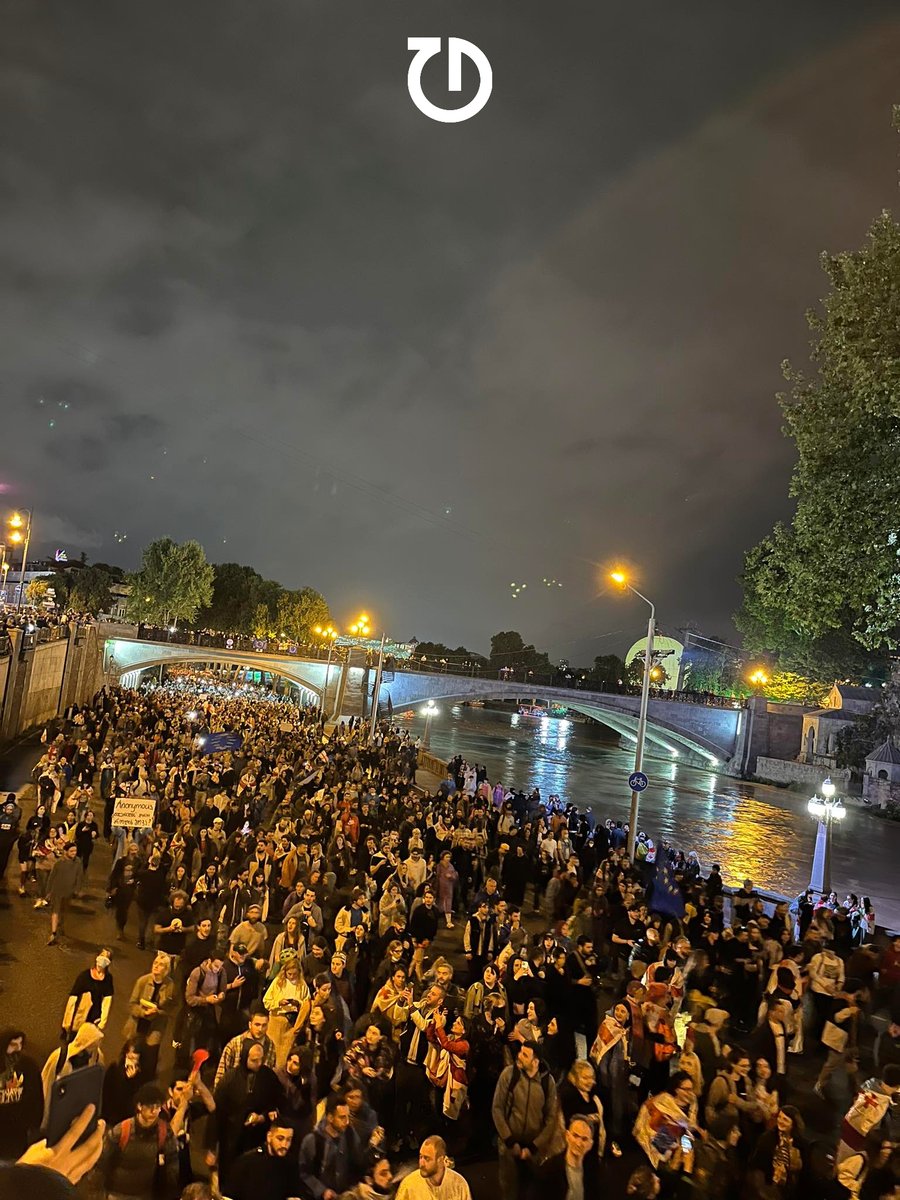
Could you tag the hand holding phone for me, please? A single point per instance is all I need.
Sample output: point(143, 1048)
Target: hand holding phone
point(70, 1096)
point(74, 1154)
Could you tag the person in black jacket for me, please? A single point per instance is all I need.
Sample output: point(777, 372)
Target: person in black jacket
point(269, 1172)
point(563, 1173)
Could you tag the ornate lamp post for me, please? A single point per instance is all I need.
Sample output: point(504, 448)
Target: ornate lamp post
point(826, 809)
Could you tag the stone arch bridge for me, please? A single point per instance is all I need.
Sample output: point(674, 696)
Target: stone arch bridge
point(717, 736)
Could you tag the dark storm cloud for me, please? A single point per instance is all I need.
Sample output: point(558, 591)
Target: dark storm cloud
point(409, 363)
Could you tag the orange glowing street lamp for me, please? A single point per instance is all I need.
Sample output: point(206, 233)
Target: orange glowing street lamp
point(759, 678)
point(19, 534)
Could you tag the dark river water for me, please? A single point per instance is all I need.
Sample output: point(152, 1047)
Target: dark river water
point(752, 830)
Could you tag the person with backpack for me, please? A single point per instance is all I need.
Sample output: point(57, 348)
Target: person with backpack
point(331, 1158)
point(526, 1117)
point(140, 1155)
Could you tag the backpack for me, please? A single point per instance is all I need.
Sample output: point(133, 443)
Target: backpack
point(162, 1129)
point(544, 1077)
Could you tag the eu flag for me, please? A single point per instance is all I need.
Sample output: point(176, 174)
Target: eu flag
point(665, 895)
point(217, 743)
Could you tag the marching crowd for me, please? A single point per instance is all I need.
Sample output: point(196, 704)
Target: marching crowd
point(345, 977)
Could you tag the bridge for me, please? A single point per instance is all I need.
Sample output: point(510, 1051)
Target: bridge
point(717, 736)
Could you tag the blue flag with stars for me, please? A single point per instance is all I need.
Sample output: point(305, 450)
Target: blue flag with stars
point(217, 743)
point(665, 895)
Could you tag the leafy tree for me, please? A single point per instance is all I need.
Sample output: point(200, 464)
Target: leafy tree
point(36, 592)
point(91, 589)
point(297, 614)
point(174, 582)
point(787, 687)
point(607, 670)
point(830, 580)
point(508, 650)
point(61, 583)
point(870, 729)
point(236, 592)
point(263, 622)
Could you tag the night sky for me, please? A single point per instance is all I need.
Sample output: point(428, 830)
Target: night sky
point(250, 295)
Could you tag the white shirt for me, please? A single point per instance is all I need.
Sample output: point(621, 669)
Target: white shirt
point(451, 1187)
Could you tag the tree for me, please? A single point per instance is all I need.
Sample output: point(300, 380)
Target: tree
point(298, 613)
point(830, 580)
point(236, 592)
point(508, 650)
point(607, 670)
point(91, 589)
point(788, 687)
point(36, 592)
point(61, 584)
point(174, 582)
point(870, 729)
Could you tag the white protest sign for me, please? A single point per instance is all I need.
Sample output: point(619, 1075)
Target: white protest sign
point(134, 812)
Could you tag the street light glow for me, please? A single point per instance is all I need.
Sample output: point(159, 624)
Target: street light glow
point(618, 577)
point(759, 677)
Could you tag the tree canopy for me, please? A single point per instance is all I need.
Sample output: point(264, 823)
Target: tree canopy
point(174, 582)
point(823, 591)
point(91, 588)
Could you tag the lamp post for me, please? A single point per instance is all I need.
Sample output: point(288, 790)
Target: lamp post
point(20, 535)
point(376, 689)
point(330, 633)
point(619, 578)
point(430, 710)
point(826, 809)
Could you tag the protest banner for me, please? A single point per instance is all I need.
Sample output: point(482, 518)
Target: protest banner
point(134, 812)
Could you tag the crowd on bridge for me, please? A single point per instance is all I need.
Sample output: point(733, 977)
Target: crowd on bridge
point(356, 989)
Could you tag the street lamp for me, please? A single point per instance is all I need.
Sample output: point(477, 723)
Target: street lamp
point(826, 809)
point(362, 628)
point(330, 633)
point(759, 678)
point(430, 710)
point(20, 535)
point(620, 578)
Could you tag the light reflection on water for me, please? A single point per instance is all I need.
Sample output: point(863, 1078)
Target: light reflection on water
point(753, 830)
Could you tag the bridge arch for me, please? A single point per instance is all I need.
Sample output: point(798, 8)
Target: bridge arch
point(130, 666)
point(660, 732)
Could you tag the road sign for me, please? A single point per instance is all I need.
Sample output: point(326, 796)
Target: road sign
point(637, 781)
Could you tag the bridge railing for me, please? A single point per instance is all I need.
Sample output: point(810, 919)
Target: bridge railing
point(200, 639)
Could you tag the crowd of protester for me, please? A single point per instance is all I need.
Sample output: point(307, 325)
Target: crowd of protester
point(356, 990)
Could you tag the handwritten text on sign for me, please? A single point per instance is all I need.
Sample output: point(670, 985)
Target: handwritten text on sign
point(134, 812)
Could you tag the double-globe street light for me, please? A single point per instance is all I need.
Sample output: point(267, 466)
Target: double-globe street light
point(621, 579)
point(827, 809)
point(327, 633)
point(19, 527)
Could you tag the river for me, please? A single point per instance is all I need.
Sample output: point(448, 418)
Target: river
point(753, 830)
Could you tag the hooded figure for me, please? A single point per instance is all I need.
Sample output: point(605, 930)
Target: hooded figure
point(82, 1051)
point(611, 1056)
point(21, 1099)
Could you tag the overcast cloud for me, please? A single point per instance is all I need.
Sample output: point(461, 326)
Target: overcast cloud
point(249, 294)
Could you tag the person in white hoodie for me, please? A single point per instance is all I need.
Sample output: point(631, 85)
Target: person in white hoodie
point(867, 1111)
point(826, 979)
point(82, 1051)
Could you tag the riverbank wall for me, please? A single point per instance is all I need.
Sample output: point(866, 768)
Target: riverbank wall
point(806, 775)
point(44, 671)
